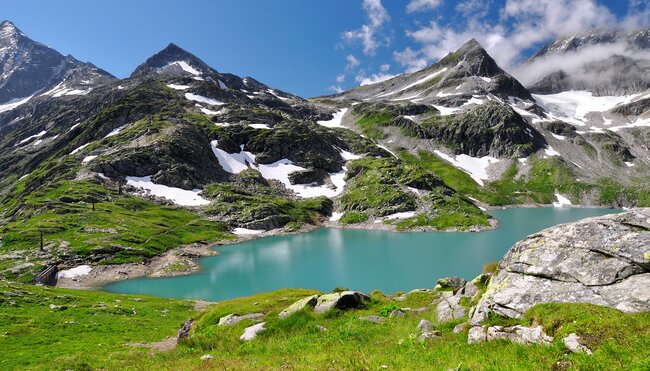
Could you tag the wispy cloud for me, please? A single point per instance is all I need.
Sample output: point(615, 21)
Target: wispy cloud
point(367, 33)
point(373, 79)
point(420, 5)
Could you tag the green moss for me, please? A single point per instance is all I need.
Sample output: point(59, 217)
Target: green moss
point(353, 217)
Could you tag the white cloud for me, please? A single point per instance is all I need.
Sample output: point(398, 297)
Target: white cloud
point(384, 67)
point(335, 88)
point(523, 24)
point(420, 5)
point(367, 34)
point(353, 62)
point(340, 78)
point(373, 79)
point(638, 14)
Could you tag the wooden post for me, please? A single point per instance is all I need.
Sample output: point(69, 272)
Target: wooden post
point(92, 199)
point(42, 244)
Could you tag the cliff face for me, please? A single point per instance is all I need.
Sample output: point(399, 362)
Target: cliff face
point(603, 261)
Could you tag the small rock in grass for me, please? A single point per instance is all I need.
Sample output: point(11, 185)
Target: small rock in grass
point(425, 326)
point(206, 357)
point(572, 343)
point(321, 328)
point(251, 332)
point(459, 328)
point(373, 319)
point(396, 313)
point(138, 300)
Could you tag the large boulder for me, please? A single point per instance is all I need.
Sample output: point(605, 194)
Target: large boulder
point(340, 300)
point(323, 303)
point(603, 261)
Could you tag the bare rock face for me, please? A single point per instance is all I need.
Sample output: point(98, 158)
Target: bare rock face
point(603, 261)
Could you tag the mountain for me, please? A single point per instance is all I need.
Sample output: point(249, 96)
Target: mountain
point(181, 153)
point(606, 62)
point(29, 68)
point(454, 80)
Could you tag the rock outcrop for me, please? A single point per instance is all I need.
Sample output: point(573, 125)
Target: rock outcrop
point(603, 261)
point(516, 334)
point(323, 303)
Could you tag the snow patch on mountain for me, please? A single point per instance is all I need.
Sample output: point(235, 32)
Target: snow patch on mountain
point(573, 106)
point(335, 122)
point(202, 99)
point(476, 167)
point(235, 163)
point(178, 87)
point(8, 106)
point(32, 137)
point(176, 195)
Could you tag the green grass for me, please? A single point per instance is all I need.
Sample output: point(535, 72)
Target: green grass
point(373, 186)
point(35, 337)
point(125, 228)
point(353, 217)
point(447, 212)
point(249, 205)
point(372, 122)
point(92, 332)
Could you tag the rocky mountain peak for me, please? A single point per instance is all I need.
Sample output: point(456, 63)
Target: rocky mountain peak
point(173, 61)
point(474, 58)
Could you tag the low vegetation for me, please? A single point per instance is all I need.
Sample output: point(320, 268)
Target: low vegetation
point(90, 330)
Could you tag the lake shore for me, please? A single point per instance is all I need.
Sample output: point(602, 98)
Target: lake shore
point(183, 260)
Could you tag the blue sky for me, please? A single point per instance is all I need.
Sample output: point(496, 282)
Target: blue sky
point(310, 47)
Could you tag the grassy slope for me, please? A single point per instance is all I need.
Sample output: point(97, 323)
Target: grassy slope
point(31, 339)
point(545, 177)
point(136, 229)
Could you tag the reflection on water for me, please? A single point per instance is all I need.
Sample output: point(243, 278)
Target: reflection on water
point(356, 259)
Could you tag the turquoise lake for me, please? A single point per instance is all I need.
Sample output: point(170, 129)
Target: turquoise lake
point(356, 259)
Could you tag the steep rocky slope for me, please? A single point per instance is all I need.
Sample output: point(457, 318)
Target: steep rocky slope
point(28, 68)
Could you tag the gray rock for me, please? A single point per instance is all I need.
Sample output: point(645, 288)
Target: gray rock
point(516, 334)
point(206, 357)
point(309, 301)
point(373, 319)
point(476, 334)
point(449, 307)
point(454, 283)
point(184, 331)
point(459, 328)
point(396, 313)
point(425, 326)
point(321, 328)
point(340, 300)
point(572, 343)
point(603, 261)
point(233, 319)
point(251, 332)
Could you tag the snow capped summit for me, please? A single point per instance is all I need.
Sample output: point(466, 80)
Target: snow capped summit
point(29, 68)
point(176, 62)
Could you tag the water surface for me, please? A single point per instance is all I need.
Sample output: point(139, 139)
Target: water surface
point(357, 259)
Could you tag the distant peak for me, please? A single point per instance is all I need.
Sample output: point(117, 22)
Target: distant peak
point(172, 54)
point(471, 45)
point(8, 28)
